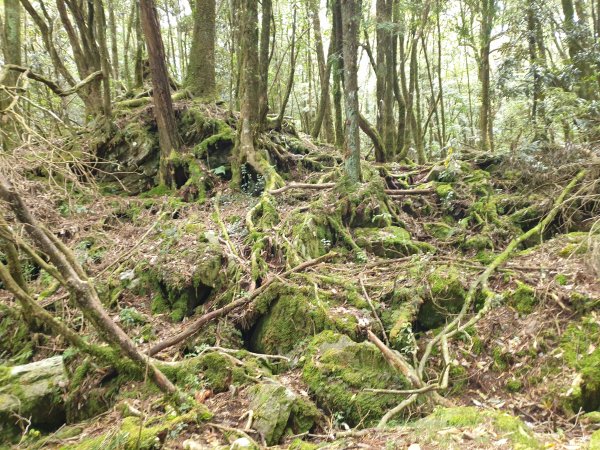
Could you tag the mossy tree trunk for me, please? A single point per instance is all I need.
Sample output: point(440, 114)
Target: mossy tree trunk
point(11, 48)
point(200, 78)
point(249, 121)
point(351, 11)
point(168, 135)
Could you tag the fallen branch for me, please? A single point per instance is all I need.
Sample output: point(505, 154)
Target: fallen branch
point(197, 325)
point(53, 85)
point(287, 187)
point(398, 192)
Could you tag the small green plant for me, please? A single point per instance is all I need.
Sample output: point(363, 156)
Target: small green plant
point(132, 317)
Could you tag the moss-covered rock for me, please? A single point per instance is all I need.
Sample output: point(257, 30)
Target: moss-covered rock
point(277, 408)
point(444, 297)
point(337, 372)
point(179, 283)
point(389, 242)
point(292, 314)
point(33, 391)
point(581, 352)
point(214, 370)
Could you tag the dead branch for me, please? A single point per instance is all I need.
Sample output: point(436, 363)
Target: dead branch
point(53, 85)
point(287, 187)
point(397, 192)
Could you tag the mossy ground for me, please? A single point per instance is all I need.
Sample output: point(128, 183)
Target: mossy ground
point(407, 259)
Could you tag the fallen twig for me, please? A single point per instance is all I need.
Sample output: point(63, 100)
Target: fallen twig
point(287, 187)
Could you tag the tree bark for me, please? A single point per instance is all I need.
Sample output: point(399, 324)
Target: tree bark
point(264, 60)
point(200, 78)
point(323, 116)
point(11, 38)
point(168, 135)
point(351, 11)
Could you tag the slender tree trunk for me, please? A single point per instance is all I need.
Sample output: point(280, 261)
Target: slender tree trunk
point(264, 60)
point(168, 135)
point(386, 77)
point(139, 50)
point(100, 23)
point(113, 40)
point(323, 116)
point(201, 65)
point(488, 11)
point(338, 73)
point(351, 11)
point(440, 82)
point(11, 39)
point(290, 81)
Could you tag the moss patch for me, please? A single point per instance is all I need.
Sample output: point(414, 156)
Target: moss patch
point(337, 372)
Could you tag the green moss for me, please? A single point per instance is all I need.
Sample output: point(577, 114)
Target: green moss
point(515, 430)
point(157, 191)
point(299, 444)
point(339, 370)
point(445, 296)
point(440, 230)
point(504, 425)
point(595, 441)
point(561, 279)
point(523, 298)
point(389, 242)
point(514, 385)
point(132, 434)
point(582, 303)
point(478, 242)
point(579, 344)
point(461, 416)
point(444, 190)
point(294, 315)
point(501, 360)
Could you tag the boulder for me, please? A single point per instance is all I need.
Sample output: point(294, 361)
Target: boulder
point(32, 391)
point(338, 372)
point(277, 408)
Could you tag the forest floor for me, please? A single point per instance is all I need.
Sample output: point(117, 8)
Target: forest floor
point(294, 368)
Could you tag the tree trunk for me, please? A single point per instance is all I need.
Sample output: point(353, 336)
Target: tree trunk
point(264, 59)
point(386, 77)
point(138, 68)
point(338, 73)
point(323, 116)
point(200, 78)
point(168, 135)
point(113, 40)
point(290, 81)
point(11, 38)
point(488, 11)
point(351, 11)
point(249, 85)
